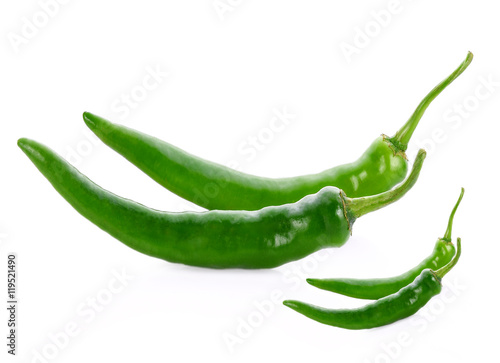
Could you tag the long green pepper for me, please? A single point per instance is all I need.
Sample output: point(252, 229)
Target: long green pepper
point(377, 288)
point(215, 186)
point(266, 238)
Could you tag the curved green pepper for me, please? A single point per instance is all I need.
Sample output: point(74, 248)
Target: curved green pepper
point(387, 310)
point(266, 238)
point(215, 186)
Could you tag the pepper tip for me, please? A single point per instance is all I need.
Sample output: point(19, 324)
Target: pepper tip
point(311, 281)
point(293, 304)
point(91, 120)
point(23, 143)
point(29, 147)
point(94, 122)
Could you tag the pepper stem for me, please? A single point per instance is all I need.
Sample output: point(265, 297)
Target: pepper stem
point(403, 136)
point(446, 268)
point(360, 206)
point(447, 235)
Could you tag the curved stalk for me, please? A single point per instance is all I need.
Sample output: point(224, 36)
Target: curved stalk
point(447, 235)
point(361, 206)
point(403, 135)
point(446, 268)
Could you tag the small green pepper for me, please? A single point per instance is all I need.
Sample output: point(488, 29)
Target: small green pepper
point(387, 310)
point(265, 238)
point(213, 186)
point(377, 288)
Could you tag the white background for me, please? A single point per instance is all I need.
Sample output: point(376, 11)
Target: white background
point(226, 73)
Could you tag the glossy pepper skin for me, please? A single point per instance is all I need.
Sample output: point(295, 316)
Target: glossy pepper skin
point(377, 288)
point(387, 310)
point(218, 239)
point(214, 186)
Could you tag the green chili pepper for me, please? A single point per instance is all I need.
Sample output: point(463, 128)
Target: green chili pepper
point(387, 310)
point(215, 186)
point(219, 239)
point(377, 288)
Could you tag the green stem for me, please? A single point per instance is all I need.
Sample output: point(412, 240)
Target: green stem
point(447, 235)
point(361, 206)
point(403, 136)
point(446, 268)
